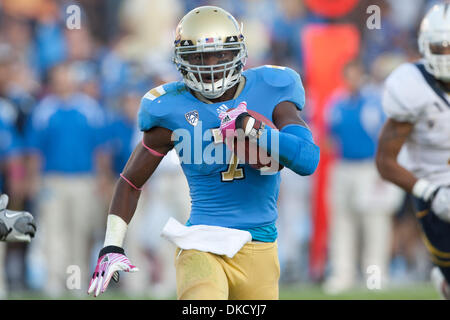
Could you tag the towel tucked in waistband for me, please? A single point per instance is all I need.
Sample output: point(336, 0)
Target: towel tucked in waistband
point(214, 239)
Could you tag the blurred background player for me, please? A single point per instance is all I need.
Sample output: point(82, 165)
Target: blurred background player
point(14, 225)
point(294, 225)
point(65, 134)
point(15, 104)
point(414, 146)
point(362, 204)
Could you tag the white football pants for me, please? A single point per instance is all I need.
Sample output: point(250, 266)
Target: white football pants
point(361, 208)
point(69, 211)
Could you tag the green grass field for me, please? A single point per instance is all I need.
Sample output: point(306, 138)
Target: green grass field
point(298, 292)
point(410, 292)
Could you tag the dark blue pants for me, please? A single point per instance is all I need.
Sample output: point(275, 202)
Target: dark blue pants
point(436, 236)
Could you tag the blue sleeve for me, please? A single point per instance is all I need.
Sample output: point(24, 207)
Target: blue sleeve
point(146, 115)
point(294, 148)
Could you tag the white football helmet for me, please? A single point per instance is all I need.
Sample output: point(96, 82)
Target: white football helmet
point(204, 30)
point(434, 41)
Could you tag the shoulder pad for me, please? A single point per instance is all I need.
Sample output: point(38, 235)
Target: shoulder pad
point(403, 95)
point(285, 83)
point(152, 110)
point(278, 76)
point(155, 93)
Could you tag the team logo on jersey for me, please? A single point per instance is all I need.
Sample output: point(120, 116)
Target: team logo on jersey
point(192, 117)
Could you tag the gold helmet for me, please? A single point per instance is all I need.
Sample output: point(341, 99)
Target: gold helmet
point(206, 30)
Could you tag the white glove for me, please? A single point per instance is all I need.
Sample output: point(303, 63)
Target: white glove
point(438, 196)
point(441, 203)
point(15, 226)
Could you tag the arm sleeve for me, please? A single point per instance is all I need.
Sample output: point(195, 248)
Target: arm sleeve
point(293, 147)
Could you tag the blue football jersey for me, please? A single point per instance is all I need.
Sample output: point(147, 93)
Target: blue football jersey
point(223, 191)
point(67, 133)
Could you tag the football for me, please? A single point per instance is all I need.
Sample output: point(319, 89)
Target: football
point(249, 152)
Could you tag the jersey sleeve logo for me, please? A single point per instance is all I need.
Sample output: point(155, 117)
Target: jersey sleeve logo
point(155, 93)
point(192, 117)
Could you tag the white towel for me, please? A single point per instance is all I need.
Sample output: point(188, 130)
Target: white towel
point(214, 239)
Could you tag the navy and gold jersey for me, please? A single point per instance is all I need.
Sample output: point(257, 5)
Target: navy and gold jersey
point(223, 191)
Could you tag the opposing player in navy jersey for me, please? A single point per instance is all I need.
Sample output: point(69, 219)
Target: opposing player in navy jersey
point(414, 145)
point(227, 249)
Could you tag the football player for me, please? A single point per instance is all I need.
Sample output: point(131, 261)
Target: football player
point(14, 225)
point(228, 249)
point(414, 145)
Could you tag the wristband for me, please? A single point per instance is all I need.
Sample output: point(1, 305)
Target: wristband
point(116, 229)
point(111, 249)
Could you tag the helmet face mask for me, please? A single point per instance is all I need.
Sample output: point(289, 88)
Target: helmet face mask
point(210, 51)
point(437, 56)
point(434, 41)
point(440, 48)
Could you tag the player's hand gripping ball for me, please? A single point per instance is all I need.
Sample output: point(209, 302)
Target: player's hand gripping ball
point(245, 148)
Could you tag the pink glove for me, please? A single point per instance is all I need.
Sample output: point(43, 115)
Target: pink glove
point(228, 120)
point(107, 267)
